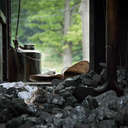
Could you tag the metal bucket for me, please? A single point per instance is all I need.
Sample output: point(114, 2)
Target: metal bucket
point(29, 62)
point(23, 63)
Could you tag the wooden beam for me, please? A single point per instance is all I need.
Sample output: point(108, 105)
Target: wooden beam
point(97, 33)
point(92, 44)
point(41, 84)
point(112, 36)
point(1, 54)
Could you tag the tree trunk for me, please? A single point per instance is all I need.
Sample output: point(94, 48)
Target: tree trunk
point(67, 56)
point(84, 11)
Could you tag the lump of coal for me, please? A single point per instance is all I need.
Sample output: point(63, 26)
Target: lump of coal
point(122, 115)
point(48, 107)
point(105, 113)
point(55, 82)
point(107, 124)
point(106, 98)
point(67, 111)
point(71, 100)
point(69, 82)
point(22, 122)
point(78, 114)
point(11, 92)
point(122, 79)
point(90, 103)
point(10, 108)
point(68, 123)
point(71, 103)
point(90, 79)
point(40, 96)
point(56, 99)
point(45, 117)
point(81, 92)
point(57, 120)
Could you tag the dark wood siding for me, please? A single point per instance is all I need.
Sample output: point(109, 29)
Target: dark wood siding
point(5, 32)
point(97, 33)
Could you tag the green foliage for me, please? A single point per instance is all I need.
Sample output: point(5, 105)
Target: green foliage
point(42, 23)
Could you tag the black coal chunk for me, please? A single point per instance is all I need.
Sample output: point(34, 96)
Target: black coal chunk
point(90, 103)
point(90, 79)
point(70, 103)
point(23, 121)
point(11, 107)
point(107, 124)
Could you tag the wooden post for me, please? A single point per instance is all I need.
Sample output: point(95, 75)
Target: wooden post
point(5, 6)
point(2, 22)
point(1, 54)
point(112, 37)
point(91, 35)
point(97, 33)
point(7, 38)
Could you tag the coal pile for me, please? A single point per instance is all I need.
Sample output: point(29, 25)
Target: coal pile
point(72, 103)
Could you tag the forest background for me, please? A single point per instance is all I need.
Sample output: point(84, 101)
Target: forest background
point(54, 27)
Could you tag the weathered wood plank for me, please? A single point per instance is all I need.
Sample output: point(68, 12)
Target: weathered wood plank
point(41, 84)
